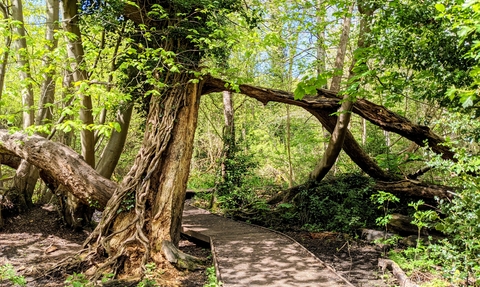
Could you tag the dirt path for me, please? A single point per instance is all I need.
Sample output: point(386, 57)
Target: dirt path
point(35, 241)
point(248, 255)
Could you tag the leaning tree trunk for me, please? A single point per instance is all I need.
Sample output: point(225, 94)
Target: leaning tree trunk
point(148, 230)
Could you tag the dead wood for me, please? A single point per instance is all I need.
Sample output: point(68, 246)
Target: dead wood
point(416, 189)
point(61, 165)
point(397, 272)
point(402, 187)
point(328, 100)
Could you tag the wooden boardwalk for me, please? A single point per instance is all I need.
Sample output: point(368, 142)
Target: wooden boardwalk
point(247, 255)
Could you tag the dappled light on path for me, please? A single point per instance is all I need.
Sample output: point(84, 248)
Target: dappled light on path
point(247, 255)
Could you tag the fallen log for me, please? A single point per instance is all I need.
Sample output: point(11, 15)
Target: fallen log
point(416, 188)
point(397, 272)
point(60, 164)
point(402, 187)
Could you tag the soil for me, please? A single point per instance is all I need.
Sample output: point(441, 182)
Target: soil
point(356, 260)
point(34, 242)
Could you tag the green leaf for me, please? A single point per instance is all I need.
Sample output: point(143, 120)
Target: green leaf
point(440, 7)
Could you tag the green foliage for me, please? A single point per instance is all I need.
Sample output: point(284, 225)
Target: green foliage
point(77, 280)
point(212, 278)
point(417, 54)
point(7, 273)
point(337, 205)
point(383, 200)
point(460, 253)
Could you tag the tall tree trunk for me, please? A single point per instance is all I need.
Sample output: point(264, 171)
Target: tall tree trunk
point(228, 135)
point(24, 63)
point(47, 92)
point(341, 51)
point(338, 135)
point(321, 54)
point(6, 51)
point(3, 69)
point(74, 209)
point(157, 182)
point(26, 175)
point(76, 53)
point(289, 152)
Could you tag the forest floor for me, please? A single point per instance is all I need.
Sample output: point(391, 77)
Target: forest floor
point(354, 259)
point(34, 242)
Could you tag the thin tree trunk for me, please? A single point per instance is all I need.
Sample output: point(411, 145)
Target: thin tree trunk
point(24, 63)
point(289, 152)
point(321, 54)
point(3, 68)
point(341, 51)
point(338, 135)
point(26, 175)
point(6, 51)
point(47, 94)
point(364, 132)
point(74, 209)
point(228, 135)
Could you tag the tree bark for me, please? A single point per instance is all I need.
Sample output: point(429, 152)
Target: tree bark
point(61, 164)
point(327, 100)
point(228, 134)
point(26, 175)
point(76, 53)
point(113, 150)
point(341, 51)
point(157, 182)
point(24, 63)
point(341, 127)
point(6, 52)
point(47, 94)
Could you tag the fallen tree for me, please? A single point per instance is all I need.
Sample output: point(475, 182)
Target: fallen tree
point(59, 164)
point(327, 100)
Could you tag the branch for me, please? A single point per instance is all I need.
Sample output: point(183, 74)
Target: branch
point(328, 100)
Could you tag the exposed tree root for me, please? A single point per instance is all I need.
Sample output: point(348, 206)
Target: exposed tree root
point(181, 260)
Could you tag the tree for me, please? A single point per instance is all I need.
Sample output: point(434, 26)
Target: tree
point(141, 222)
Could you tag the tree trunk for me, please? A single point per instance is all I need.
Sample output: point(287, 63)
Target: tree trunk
point(23, 62)
point(341, 51)
point(76, 53)
point(352, 148)
point(113, 150)
point(60, 165)
point(155, 185)
point(26, 175)
point(228, 135)
point(47, 94)
point(6, 51)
